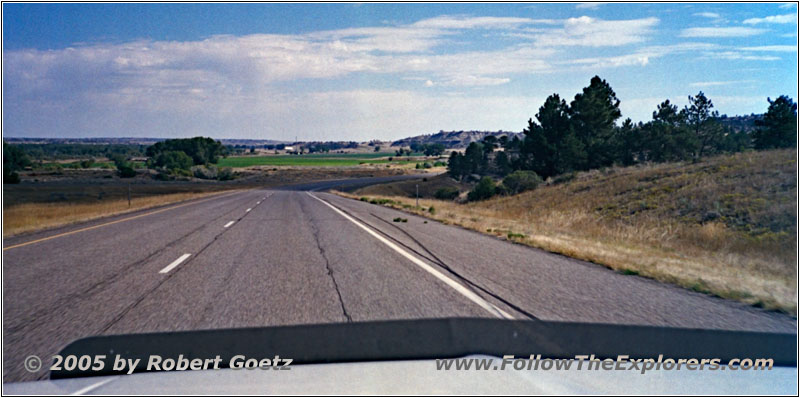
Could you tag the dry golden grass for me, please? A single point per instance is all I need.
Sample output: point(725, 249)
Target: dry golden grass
point(29, 217)
point(725, 226)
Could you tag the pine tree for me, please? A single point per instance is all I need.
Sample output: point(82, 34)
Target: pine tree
point(593, 114)
point(702, 120)
point(778, 129)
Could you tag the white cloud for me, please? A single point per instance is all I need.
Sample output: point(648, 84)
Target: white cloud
point(463, 22)
point(787, 6)
point(592, 32)
point(737, 55)
point(719, 83)
point(777, 19)
point(469, 80)
point(734, 31)
point(606, 62)
point(712, 15)
point(785, 49)
point(589, 6)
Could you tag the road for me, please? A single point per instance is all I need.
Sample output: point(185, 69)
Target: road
point(299, 256)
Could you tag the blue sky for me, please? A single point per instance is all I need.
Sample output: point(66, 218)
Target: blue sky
point(364, 71)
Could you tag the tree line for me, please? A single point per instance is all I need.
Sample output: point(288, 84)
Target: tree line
point(583, 134)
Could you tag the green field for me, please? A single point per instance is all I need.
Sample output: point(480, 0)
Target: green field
point(318, 160)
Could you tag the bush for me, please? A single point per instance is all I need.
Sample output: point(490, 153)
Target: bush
point(85, 164)
point(427, 165)
point(562, 178)
point(206, 173)
point(225, 174)
point(10, 177)
point(446, 193)
point(485, 189)
point(521, 181)
point(439, 164)
point(126, 171)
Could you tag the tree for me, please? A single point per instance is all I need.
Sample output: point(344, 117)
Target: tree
point(377, 148)
point(667, 137)
point(702, 120)
point(455, 165)
point(593, 114)
point(628, 143)
point(474, 159)
point(485, 189)
point(551, 147)
point(502, 163)
point(174, 160)
point(14, 159)
point(521, 181)
point(778, 129)
point(202, 150)
point(433, 149)
point(124, 168)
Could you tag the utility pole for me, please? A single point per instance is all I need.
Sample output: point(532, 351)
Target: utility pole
point(417, 185)
point(129, 195)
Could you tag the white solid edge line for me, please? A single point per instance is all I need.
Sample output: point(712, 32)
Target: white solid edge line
point(229, 224)
point(174, 263)
point(92, 387)
point(453, 284)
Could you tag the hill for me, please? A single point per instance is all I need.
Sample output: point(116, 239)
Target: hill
point(725, 226)
point(453, 139)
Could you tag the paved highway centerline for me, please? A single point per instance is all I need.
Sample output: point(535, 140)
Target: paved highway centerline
point(453, 284)
point(229, 224)
point(174, 263)
point(248, 210)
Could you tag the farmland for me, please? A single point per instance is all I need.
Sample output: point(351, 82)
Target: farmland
point(313, 160)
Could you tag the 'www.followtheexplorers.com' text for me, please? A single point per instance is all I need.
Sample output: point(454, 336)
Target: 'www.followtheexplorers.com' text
point(590, 362)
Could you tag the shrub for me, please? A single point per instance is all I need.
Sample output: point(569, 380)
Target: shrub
point(126, 171)
point(446, 193)
point(87, 163)
point(11, 178)
point(521, 181)
point(485, 189)
point(225, 174)
point(439, 164)
point(206, 173)
point(562, 178)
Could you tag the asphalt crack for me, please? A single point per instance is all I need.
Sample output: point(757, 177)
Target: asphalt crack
point(315, 232)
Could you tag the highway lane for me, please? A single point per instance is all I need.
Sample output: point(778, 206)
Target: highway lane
point(260, 257)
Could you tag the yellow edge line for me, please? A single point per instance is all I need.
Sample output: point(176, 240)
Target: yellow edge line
point(117, 221)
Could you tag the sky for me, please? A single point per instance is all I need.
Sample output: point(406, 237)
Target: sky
point(374, 71)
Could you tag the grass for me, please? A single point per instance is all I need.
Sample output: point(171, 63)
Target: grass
point(29, 217)
point(724, 226)
point(311, 160)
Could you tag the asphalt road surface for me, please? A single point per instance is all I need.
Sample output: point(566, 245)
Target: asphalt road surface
point(300, 256)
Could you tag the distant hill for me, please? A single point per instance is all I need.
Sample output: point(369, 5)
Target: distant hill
point(453, 139)
point(741, 123)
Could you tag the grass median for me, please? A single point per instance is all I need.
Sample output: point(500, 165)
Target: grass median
point(28, 217)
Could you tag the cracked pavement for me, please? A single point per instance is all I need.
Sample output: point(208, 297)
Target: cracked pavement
point(294, 260)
